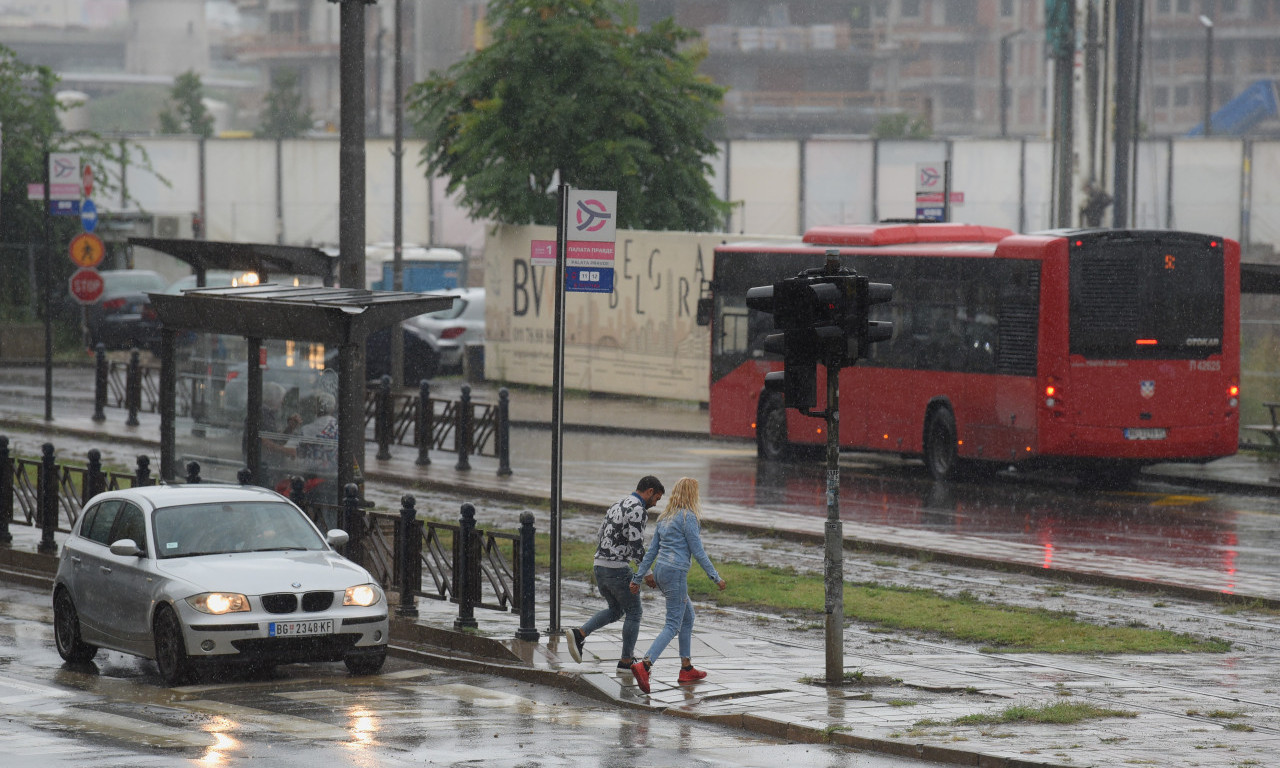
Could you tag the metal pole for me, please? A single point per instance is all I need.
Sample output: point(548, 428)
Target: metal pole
point(351, 164)
point(397, 204)
point(833, 562)
point(557, 407)
point(48, 295)
point(1208, 75)
point(1004, 84)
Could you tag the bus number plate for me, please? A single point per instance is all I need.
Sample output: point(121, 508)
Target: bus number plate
point(300, 628)
point(1145, 433)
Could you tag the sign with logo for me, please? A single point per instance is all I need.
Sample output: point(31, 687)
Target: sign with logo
point(590, 239)
point(86, 285)
point(542, 253)
point(65, 181)
point(87, 249)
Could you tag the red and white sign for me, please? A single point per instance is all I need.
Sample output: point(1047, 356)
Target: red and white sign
point(87, 184)
point(86, 285)
point(957, 198)
point(542, 253)
point(64, 176)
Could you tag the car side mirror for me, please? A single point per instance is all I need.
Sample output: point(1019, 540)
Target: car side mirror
point(126, 548)
point(337, 537)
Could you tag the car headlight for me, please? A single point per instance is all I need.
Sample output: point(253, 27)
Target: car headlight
point(218, 603)
point(362, 595)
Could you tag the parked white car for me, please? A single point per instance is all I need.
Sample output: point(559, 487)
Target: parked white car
point(448, 331)
point(201, 575)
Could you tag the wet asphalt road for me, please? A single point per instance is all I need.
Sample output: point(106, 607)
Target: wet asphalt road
point(115, 712)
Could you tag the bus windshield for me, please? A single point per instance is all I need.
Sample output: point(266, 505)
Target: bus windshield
point(1147, 298)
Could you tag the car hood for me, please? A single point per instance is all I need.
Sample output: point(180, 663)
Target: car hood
point(257, 573)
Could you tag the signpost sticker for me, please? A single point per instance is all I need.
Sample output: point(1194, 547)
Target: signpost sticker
point(928, 177)
point(87, 250)
point(86, 285)
point(593, 215)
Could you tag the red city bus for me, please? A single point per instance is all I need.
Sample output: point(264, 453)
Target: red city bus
point(1104, 349)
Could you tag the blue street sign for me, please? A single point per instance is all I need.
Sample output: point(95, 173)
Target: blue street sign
point(88, 215)
point(930, 213)
point(588, 279)
point(64, 207)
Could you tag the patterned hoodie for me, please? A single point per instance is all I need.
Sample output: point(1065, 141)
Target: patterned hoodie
point(621, 538)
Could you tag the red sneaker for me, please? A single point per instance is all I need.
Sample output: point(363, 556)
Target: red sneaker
point(642, 675)
point(690, 675)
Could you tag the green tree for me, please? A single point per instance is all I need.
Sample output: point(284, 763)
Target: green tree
point(902, 126)
point(284, 116)
point(29, 127)
point(570, 90)
point(186, 112)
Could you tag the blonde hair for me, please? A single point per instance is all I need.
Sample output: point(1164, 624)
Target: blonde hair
point(683, 496)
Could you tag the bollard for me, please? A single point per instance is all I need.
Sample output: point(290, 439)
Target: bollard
point(352, 522)
point(465, 570)
point(244, 476)
point(193, 472)
point(410, 556)
point(524, 583)
point(382, 419)
point(6, 491)
point(142, 477)
point(133, 389)
point(462, 430)
point(47, 500)
point(100, 382)
point(95, 480)
point(503, 433)
point(424, 427)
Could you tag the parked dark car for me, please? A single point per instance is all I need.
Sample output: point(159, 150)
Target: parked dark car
point(123, 318)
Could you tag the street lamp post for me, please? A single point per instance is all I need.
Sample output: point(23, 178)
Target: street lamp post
point(1208, 74)
point(1004, 80)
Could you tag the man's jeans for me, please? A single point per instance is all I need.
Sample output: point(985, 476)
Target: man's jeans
point(615, 586)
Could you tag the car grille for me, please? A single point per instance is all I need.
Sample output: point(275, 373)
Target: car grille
point(287, 602)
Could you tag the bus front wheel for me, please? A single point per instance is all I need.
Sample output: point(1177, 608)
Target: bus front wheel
point(771, 430)
point(940, 444)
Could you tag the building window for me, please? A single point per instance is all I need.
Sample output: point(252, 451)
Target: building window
point(1184, 7)
point(1164, 7)
point(910, 9)
point(960, 13)
point(1181, 96)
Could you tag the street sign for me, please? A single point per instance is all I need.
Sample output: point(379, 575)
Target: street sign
point(87, 181)
point(64, 207)
point(88, 215)
point(65, 181)
point(86, 285)
point(590, 240)
point(87, 249)
point(542, 253)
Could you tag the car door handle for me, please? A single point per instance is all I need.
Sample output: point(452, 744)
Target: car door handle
point(104, 568)
point(75, 559)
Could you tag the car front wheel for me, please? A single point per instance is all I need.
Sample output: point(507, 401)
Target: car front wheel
point(171, 651)
point(66, 631)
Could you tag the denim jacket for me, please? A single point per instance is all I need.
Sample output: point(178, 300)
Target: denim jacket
point(676, 542)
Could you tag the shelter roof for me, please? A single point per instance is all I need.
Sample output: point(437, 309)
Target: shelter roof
point(318, 314)
point(263, 258)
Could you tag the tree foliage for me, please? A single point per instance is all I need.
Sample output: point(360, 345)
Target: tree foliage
point(902, 126)
point(284, 116)
point(186, 112)
point(569, 91)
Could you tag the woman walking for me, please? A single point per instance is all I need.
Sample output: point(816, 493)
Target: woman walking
point(677, 542)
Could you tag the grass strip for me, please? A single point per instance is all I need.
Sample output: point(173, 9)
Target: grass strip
point(1057, 713)
point(995, 627)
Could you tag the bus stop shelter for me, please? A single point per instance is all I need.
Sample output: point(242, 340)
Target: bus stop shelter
point(336, 317)
point(264, 259)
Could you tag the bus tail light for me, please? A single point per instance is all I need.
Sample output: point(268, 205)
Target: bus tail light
point(1050, 394)
point(1233, 395)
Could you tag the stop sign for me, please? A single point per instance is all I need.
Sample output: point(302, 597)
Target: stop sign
point(86, 286)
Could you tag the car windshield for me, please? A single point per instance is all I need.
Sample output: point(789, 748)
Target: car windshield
point(124, 281)
point(247, 526)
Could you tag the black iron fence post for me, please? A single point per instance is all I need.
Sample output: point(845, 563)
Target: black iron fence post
point(47, 497)
point(382, 427)
point(503, 433)
point(95, 480)
point(133, 389)
point(462, 430)
point(466, 576)
point(6, 491)
point(424, 427)
point(524, 583)
point(410, 553)
point(193, 472)
point(142, 476)
point(100, 382)
point(353, 522)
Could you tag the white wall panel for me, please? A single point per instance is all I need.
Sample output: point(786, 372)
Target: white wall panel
point(987, 173)
point(897, 175)
point(837, 179)
point(310, 191)
point(1206, 186)
point(240, 201)
point(1264, 219)
point(1150, 187)
point(175, 158)
point(764, 181)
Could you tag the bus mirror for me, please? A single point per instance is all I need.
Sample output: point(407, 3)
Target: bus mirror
point(705, 305)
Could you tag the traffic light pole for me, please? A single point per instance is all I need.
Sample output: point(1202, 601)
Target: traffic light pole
point(833, 562)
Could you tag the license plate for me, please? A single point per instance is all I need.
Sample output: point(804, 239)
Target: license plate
point(1145, 433)
point(300, 628)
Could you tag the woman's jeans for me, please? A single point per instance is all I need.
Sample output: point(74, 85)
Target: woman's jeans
point(615, 586)
point(674, 583)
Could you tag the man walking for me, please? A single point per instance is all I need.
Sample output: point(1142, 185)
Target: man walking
point(621, 541)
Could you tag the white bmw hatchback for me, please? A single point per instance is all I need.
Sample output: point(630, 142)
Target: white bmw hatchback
point(200, 575)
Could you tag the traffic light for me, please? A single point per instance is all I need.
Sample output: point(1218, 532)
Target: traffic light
point(790, 303)
point(870, 331)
